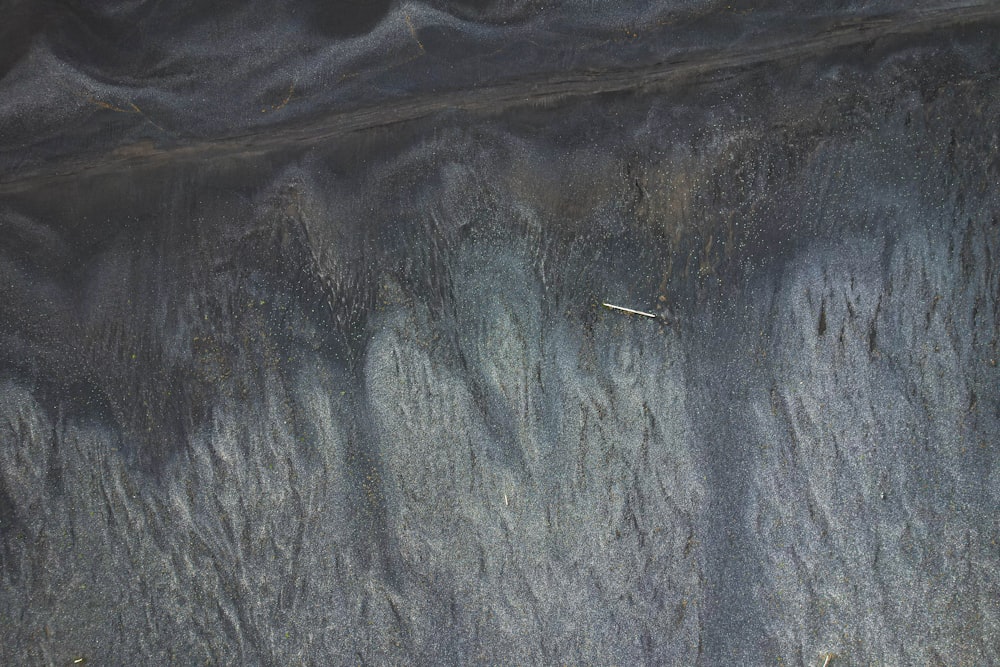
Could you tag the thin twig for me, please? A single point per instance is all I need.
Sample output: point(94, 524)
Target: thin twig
point(628, 310)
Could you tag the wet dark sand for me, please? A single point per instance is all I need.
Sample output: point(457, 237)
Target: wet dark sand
point(303, 358)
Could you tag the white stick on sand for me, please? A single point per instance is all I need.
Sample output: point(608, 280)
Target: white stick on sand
point(628, 310)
